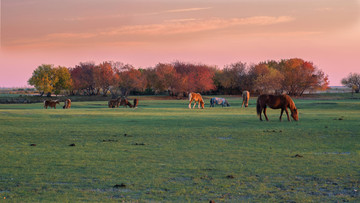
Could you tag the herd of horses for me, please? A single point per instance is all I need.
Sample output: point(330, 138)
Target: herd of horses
point(122, 102)
point(112, 103)
point(282, 102)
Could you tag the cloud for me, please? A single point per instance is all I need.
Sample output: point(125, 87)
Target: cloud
point(104, 17)
point(186, 10)
point(182, 26)
point(142, 32)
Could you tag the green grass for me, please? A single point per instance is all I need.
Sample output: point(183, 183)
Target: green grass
point(172, 153)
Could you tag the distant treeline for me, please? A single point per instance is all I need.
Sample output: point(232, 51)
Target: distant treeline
point(291, 76)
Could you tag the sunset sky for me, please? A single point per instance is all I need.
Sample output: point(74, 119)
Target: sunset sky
point(144, 33)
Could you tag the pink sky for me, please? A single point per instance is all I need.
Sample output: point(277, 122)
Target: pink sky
point(144, 33)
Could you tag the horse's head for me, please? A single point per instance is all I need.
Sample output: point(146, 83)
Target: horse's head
point(202, 103)
point(294, 114)
point(227, 103)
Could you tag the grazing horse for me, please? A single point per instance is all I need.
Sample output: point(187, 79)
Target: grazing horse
point(197, 98)
point(136, 102)
point(246, 98)
point(114, 103)
point(124, 102)
point(219, 101)
point(276, 102)
point(67, 104)
point(51, 103)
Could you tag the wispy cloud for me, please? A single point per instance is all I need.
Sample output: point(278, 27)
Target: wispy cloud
point(168, 28)
point(180, 20)
point(180, 26)
point(186, 10)
point(112, 16)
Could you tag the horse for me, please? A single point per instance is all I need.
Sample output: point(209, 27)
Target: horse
point(197, 98)
point(51, 103)
point(67, 104)
point(276, 102)
point(136, 102)
point(114, 103)
point(219, 101)
point(246, 98)
point(124, 102)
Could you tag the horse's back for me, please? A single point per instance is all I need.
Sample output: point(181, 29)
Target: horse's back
point(195, 96)
point(274, 101)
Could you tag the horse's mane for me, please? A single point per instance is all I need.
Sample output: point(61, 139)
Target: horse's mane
point(291, 103)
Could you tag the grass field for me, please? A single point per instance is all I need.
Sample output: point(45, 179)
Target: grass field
point(163, 151)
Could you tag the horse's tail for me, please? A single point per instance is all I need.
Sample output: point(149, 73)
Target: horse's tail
point(258, 106)
point(189, 96)
point(136, 102)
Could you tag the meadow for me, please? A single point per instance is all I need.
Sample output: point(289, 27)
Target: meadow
point(163, 151)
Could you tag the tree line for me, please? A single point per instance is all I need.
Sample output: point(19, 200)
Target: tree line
point(292, 76)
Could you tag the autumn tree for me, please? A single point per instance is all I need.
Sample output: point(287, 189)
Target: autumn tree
point(43, 78)
point(233, 78)
point(130, 79)
point(104, 77)
point(300, 75)
point(352, 81)
point(166, 78)
point(196, 78)
point(256, 71)
point(271, 82)
point(63, 79)
point(83, 78)
point(47, 78)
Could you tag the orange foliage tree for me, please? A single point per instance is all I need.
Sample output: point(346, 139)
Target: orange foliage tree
point(197, 78)
point(130, 79)
point(167, 79)
point(83, 78)
point(300, 75)
point(104, 77)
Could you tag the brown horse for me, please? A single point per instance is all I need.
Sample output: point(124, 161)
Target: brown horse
point(51, 103)
point(67, 104)
point(276, 102)
point(114, 103)
point(197, 98)
point(246, 98)
point(124, 102)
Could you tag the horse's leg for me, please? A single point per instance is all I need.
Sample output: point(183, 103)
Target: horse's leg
point(243, 105)
point(194, 104)
point(265, 114)
point(287, 113)
point(260, 114)
point(282, 111)
point(190, 104)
